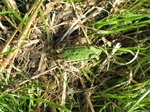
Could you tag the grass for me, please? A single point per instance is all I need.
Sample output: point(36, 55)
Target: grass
point(31, 78)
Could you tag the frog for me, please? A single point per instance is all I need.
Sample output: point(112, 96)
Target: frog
point(79, 53)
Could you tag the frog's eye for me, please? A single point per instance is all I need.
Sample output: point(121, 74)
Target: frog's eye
point(92, 55)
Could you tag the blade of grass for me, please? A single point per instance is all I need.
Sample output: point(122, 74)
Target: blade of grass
point(139, 100)
point(45, 101)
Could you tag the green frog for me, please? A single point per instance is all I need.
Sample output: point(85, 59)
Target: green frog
point(78, 53)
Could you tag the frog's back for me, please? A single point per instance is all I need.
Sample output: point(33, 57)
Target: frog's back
point(79, 53)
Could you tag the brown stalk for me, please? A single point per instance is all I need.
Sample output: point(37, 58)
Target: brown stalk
point(21, 37)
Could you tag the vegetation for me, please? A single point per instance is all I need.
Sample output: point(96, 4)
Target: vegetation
point(33, 78)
